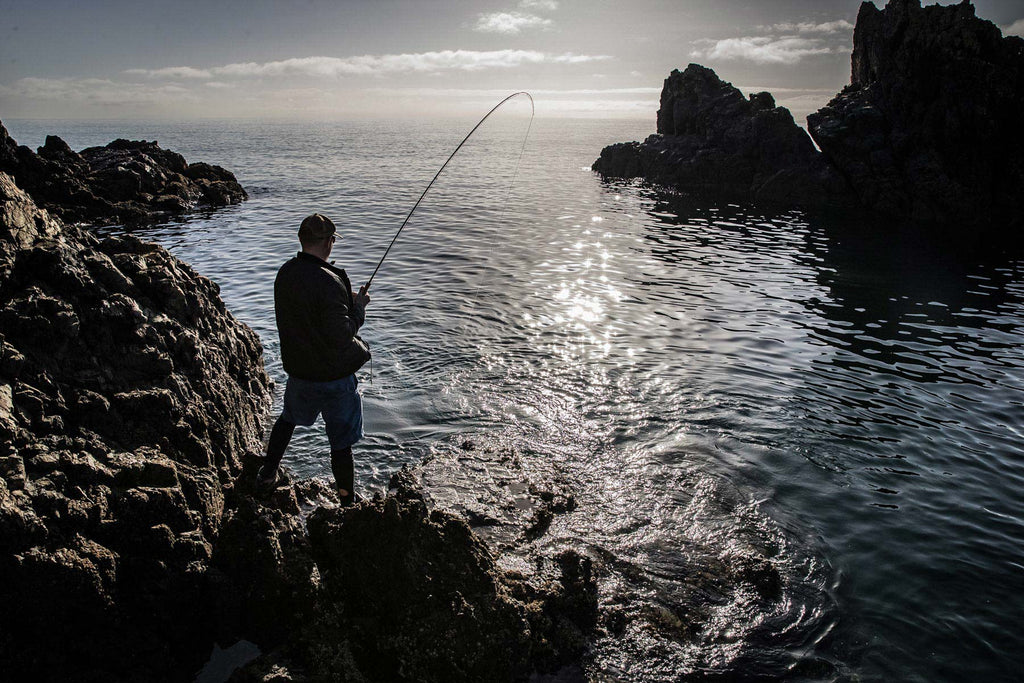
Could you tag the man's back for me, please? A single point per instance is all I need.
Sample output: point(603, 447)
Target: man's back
point(317, 320)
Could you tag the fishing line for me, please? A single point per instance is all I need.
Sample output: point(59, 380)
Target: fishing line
point(366, 287)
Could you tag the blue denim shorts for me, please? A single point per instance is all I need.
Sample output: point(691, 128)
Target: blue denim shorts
point(338, 401)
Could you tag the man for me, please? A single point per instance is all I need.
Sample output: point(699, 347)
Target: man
point(317, 321)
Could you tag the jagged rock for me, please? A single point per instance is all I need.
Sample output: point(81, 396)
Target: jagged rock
point(264, 586)
point(424, 598)
point(929, 127)
point(117, 448)
point(713, 142)
point(124, 181)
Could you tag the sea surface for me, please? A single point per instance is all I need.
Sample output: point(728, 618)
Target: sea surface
point(846, 397)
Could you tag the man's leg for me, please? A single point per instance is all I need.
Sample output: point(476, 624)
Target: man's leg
point(343, 417)
point(344, 473)
point(280, 435)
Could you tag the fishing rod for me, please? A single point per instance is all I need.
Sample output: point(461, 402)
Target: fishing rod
point(366, 287)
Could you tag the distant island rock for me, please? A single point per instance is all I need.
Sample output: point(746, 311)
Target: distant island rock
point(124, 181)
point(717, 144)
point(927, 131)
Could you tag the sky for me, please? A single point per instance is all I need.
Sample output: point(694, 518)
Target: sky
point(311, 59)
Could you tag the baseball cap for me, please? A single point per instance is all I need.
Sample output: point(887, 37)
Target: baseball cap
point(316, 227)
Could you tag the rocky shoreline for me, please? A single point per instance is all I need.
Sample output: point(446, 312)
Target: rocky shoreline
point(125, 181)
point(132, 408)
point(927, 131)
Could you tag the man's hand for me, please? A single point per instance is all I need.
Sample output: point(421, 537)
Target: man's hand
point(362, 298)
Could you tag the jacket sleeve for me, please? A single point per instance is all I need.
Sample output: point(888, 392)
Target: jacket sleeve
point(340, 322)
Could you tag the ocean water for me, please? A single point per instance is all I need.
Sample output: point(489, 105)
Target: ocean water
point(844, 398)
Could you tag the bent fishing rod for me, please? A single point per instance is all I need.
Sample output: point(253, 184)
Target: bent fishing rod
point(366, 287)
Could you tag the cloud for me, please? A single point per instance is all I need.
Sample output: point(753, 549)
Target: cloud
point(781, 43)
point(173, 72)
point(570, 58)
point(509, 23)
point(373, 65)
point(808, 27)
point(541, 5)
point(1014, 29)
point(763, 49)
point(96, 92)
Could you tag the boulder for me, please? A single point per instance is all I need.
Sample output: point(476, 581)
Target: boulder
point(929, 127)
point(408, 592)
point(713, 142)
point(122, 182)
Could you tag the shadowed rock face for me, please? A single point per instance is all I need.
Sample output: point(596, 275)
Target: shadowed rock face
point(930, 126)
point(408, 592)
point(128, 396)
point(714, 142)
point(125, 181)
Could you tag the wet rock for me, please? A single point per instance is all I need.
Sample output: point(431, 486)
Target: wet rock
point(929, 127)
point(123, 182)
point(265, 584)
point(425, 598)
point(271, 669)
point(713, 142)
point(115, 458)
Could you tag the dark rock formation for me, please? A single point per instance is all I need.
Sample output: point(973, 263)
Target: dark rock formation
point(928, 130)
point(713, 142)
point(930, 126)
point(123, 182)
point(407, 592)
point(128, 397)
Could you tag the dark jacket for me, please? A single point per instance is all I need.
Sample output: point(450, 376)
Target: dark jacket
point(317, 320)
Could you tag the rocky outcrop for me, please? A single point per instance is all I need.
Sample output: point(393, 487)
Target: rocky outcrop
point(927, 131)
point(129, 397)
point(408, 592)
point(713, 142)
point(125, 181)
point(929, 127)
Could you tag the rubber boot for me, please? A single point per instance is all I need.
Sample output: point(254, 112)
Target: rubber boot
point(344, 474)
point(280, 435)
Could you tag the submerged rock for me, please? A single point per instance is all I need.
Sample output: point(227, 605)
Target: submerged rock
point(128, 397)
point(929, 127)
point(123, 182)
point(713, 142)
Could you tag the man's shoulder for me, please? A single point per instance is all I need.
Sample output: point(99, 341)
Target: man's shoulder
point(298, 269)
